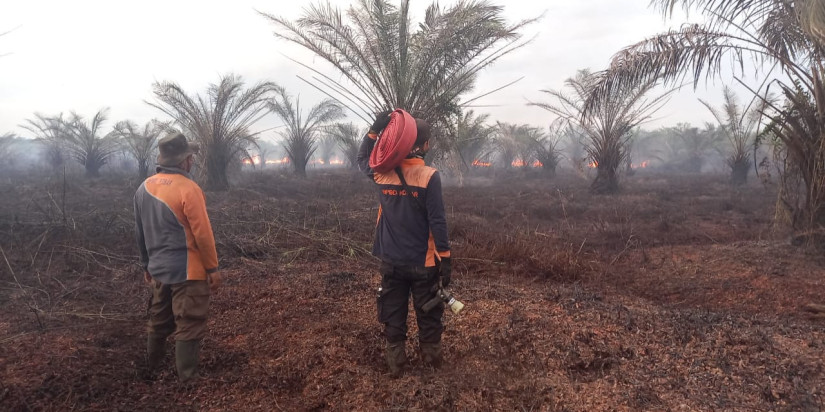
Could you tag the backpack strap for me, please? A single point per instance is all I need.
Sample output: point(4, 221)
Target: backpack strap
point(420, 206)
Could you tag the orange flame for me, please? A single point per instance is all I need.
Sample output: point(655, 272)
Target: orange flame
point(278, 162)
point(593, 165)
point(522, 163)
point(479, 163)
point(255, 160)
point(639, 165)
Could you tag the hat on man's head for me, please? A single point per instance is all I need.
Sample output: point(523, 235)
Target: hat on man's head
point(174, 148)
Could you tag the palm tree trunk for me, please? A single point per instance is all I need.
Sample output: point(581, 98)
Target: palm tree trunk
point(301, 168)
point(143, 171)
point(216, 165)
point(92, 169)
point(606, 181)
point(739, 171)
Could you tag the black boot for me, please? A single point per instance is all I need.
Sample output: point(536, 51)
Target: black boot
point(431, 354)
point(186, 359)
point(396, 358)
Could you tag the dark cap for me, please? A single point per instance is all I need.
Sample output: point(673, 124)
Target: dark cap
point(174, 148)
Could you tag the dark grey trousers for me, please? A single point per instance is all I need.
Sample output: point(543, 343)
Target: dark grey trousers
point(397, 284)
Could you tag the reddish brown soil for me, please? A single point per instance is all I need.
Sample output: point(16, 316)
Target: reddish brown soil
point(677, 294)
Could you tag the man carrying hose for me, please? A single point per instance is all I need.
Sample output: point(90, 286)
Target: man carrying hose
point(411, 236)
point(177, 252)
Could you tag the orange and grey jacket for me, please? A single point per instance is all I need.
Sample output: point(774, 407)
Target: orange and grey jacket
point(412, 227)
point(172, 228)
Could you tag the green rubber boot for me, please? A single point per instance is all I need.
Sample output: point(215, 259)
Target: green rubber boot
point(155, 351)
point(396, 358)
point(431, 354)
point(186, 359)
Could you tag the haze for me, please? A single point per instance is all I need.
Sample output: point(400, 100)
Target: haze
point(60, 56)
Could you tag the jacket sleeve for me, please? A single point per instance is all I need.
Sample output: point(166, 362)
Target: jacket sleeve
point(194, 207)
point(140, 238)
point(436, 217)
point(364, 154)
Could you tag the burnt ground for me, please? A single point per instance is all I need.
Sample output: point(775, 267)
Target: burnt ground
point(680, 293)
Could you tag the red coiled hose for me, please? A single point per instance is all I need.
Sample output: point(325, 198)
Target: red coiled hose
point(394, 143)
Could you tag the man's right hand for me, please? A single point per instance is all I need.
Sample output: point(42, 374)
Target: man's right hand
point(381, 121)
point(214, 280)
point(147, 278)
point(445, 270)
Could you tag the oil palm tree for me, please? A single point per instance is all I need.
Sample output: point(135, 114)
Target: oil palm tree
point(547, 149)
point(300, 133)
point(514, 143)
point(389, 61)
point(220, 121)
point(50, 132)
point(86, 142)
point(473, 138)
point(687, 147)
point(739, 124)
point(326, 148)
point(7, 141)
point(76, 137)
point(141, 143)
point(783, 38)
point(348, 137)
point(607, 125)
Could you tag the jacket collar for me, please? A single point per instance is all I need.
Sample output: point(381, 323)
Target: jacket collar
point(173, 171)
point(415, 161)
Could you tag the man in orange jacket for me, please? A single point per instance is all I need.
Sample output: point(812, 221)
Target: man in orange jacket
point(411, 241)
point(178, 256)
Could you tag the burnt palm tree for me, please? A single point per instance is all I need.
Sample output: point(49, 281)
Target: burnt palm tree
point(300, 133)
point(389, 61)
point(739, 124)
point(86, 143)
point(547, 146)
point(220, 121)
point(687, 147)
point(266, 150)
point(6, 148)
point(141, 143)
point(473, 138)
point(76, 137)
point(348, 137)
point(607, 125)
point(50, 132)
point(326, 148)
point(514, 143)
point(783, 38)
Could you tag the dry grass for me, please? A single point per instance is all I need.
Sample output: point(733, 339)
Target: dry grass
point(675, 294)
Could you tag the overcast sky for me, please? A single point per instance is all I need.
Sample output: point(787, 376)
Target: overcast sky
point(85, 55)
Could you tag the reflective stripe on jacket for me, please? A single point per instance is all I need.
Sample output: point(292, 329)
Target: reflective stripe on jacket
point(172, 228)
point(411, 227)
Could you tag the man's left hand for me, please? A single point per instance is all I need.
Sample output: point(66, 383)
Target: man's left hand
point(381, 121)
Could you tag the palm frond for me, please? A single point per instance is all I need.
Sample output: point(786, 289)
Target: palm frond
point(387, 64)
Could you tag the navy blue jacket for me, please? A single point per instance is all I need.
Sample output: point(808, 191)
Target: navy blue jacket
point(412, 227)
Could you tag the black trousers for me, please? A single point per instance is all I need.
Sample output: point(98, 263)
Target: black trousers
point(397, 284)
